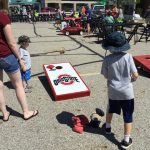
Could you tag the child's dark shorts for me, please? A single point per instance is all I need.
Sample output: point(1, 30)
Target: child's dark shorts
point(127, 107)
point(26, 75)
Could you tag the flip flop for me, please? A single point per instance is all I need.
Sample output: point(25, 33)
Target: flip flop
point(35, 113)
point(7, 118)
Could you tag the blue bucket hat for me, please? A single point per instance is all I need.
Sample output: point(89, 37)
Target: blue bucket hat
point(115, 42)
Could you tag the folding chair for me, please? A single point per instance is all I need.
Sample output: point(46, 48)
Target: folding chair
point(101, 30)
point(145, 33)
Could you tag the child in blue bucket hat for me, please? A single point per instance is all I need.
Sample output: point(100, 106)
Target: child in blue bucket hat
point(120, 71)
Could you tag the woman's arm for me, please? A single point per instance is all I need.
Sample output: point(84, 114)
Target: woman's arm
point(12, 44)
point(11, 41)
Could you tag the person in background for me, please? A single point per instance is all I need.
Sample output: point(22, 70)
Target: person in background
point(76, 14)
point(120, 71)
point(71, 13)
point(83, 9)
point(114, 11)
point(24, 11)
point(89, 18)
point(36, 15)
point(84, 20)
point(24, 41)
point(58, 18)
point(63, 13)
point(107, 9)
point(147, 15)
point(120, 17)
point(108, 19)
point(11, 63)
point(29, 17)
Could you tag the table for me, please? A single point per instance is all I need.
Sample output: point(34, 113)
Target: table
point(121, 26)
point(145, 33)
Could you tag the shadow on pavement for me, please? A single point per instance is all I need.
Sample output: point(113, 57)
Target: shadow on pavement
point(143, 73)
point(98, 42)
point(34, 42)
point(9, 85)
point(101, 131)
point(47, 87)
point(90, 36)
point(65, 118)
point(13, 113)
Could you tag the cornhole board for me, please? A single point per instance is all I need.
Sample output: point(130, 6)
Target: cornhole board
point(65, 82)
point(143, 61)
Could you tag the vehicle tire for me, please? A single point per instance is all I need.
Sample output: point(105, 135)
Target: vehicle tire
point(67, 33)
point(81, 32)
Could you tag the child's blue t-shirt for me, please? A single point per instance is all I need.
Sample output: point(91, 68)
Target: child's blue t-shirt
point(117, 68)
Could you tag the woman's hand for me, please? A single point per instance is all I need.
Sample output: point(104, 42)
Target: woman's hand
point(22, 65)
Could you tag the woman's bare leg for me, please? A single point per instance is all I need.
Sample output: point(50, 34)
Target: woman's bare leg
point(20, 93)
point(2, 99)
point(88, 28)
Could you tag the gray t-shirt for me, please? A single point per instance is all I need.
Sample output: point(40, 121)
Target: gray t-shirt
point(117, 68)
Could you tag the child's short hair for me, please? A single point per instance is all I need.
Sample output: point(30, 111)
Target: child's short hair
point(23, 39)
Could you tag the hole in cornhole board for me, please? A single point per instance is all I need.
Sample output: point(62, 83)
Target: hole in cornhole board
point(148, 58)
point(45, 84)
point(50, 66)
point(59, 67)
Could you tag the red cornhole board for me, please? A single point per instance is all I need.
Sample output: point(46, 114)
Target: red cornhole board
point(143, 61)
point(65, 81)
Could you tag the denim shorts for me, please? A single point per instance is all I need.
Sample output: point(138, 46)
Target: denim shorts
point(26, 75)
point(9, 64)
point(127, 107)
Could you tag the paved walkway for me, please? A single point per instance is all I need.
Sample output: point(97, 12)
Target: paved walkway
point(51, 130)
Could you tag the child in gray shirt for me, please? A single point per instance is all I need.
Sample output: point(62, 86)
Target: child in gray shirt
point(119, 70)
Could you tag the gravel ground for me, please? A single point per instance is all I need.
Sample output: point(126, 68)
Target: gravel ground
point(51, 130)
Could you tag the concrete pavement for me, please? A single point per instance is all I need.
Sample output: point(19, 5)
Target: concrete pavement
point(51, 129)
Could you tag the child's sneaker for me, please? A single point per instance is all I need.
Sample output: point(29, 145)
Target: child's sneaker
point(108, 130)
point(125, 144)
